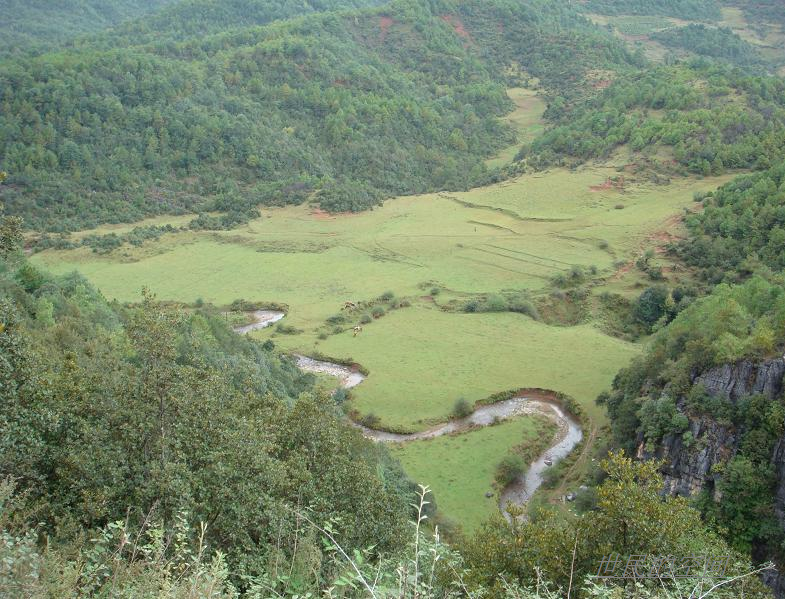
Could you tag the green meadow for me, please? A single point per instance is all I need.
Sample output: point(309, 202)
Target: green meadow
point(514, 236)
point(526, 120)
point(466, 465)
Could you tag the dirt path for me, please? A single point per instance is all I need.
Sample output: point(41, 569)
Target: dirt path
point(528, 402)
point(262, 320)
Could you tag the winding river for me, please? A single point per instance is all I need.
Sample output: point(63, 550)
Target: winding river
point(528, 402)
point(261, 320)
point(534, 402)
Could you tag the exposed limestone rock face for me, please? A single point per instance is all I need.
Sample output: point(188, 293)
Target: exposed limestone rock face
point(734, 381)
point(688, 470)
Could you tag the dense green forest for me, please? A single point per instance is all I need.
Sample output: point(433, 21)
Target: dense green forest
point(708, 117)
point(153, 414)
point(685, 9)
point(761, 12)
point(741, 230)
point(190, 18)
point(39, 24)
point(377, 104)
point(719, 43)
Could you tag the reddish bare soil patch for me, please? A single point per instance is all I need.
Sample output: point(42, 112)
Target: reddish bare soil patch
point(602, 84)
point(610, 183)
point(320, 214)
point(458, 26)
point(384, 24)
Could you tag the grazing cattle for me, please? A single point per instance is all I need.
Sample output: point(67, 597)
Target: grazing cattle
point(357, 330)
point(349, 305)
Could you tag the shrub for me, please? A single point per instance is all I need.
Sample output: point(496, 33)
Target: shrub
point(586, 499)
point(435, 291)
point(651, 305)
point(509, 469)
point(336, 319)
point(365, 319)
point(525, 307)
point(370, 420)
point(462, 408)
point(287, 329)
point(387, 296)
point(472, 306)
point(377, 312)
point(268, 345)
point(603, 245)
point(496, 303)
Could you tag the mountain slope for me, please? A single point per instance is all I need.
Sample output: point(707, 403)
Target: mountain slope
point(35, 23)
point(355, 106)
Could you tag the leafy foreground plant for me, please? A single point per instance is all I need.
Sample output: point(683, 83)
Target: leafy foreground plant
point(148, 562)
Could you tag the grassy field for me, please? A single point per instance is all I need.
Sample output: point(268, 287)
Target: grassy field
point(513, 236)
point(526, 120)
point(421, 360)
point(459, 469)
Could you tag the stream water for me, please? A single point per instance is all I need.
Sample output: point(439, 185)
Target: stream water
point(520, 491)
point(262, 320)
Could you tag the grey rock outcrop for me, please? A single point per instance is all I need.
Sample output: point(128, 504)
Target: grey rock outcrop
point(734, 381)
point(688, 468)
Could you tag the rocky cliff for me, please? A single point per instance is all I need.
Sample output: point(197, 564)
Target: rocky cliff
point(688, 467)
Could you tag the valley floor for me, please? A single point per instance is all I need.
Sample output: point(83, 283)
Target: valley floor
point(434, 252)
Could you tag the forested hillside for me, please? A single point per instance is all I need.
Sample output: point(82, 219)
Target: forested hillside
point(185, 19)
point(39, 24)
point(162, 417)
point(718, 43)
point(741, 230)
point(357, 107)
point(707, 398)
point(685, 9)
point(707, 118)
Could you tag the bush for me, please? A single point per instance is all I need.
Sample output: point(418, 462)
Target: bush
point(471, 306)
point(651, 305)
point(435, 291)
point(370, 420)
point(496, 303)
point(509, 469)
point(387, 296)
point(462, 408)
point(365, 319)
point(287, 329)
point(378, 312)
point(586, 499)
